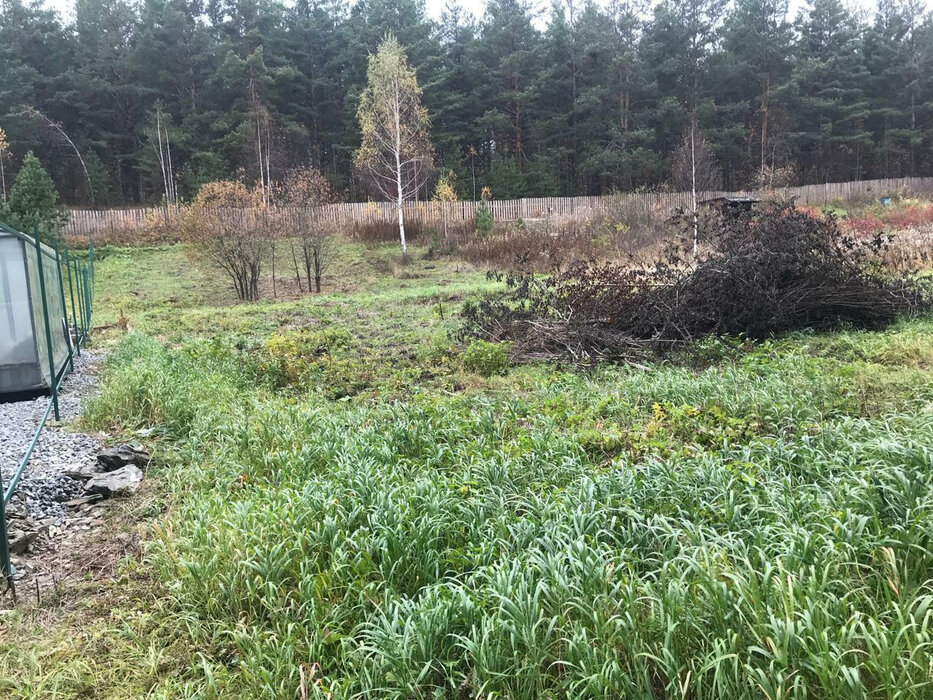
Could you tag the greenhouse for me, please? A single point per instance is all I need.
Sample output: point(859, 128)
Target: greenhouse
point(35, 341)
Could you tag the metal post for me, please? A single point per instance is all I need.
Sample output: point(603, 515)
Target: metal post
point(78, 293)
point(61, 289)
point(6, 568)
point(74, 313)
point(87, 302)
point(48, 329)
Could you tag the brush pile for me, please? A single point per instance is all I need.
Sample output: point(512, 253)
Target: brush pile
point(762, 273)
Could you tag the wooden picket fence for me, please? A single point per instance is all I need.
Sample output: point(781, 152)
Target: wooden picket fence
point(90, 222)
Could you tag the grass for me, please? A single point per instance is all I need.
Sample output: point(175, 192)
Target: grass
point(755, 524)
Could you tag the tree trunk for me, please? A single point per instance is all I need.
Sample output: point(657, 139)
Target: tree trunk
point(398, 175)
point(764, 122)
point(274, 292)
point(297, 273)
point(693, 183)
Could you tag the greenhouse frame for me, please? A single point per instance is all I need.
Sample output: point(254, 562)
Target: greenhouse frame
point(33, 353)
point(40, 333)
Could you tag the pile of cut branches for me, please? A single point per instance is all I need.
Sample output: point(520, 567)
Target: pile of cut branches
point(765, 272)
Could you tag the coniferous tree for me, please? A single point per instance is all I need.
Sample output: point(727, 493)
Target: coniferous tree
point(33, 202)
point(587, 98)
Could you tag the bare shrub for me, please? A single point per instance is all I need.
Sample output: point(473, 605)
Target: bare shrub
point(313, 244)
point(221, 226)
point(303, 190)
point(763, 273)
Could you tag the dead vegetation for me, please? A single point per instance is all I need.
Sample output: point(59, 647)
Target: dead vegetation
point(763, 273)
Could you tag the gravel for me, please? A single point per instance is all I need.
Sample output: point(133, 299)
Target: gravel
point(43, 487)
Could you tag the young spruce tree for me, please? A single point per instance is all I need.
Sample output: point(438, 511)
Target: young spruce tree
point(33, 202)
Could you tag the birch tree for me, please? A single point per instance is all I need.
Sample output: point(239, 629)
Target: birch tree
point(396, 152)
point(263, 123)
point(163, 151)
point(4, 149)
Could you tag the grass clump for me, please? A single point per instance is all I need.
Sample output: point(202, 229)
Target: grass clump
point(487, 359)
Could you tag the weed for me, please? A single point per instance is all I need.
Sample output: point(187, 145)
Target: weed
point(486, 359)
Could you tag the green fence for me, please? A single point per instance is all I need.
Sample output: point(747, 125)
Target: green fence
point(65, 283)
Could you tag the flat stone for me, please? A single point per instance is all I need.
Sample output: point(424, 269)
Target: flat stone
point(81, 472)
point(120, 456)
point(74, 502)
point(120, 482)
point(21, 540)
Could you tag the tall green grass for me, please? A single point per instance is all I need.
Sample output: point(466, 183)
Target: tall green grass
point(761, 528)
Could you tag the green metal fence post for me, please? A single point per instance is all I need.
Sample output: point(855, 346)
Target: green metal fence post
point(48, 328)
point(79, 288)
point(61, 289)
point(90, 255)
point(74, 313)
point(87, 302)
point(6, 570)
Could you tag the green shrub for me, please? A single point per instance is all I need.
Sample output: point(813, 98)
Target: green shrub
point(487, 359)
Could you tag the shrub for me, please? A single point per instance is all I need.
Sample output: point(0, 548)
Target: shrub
point(312, 244)
point(764, 273)
point(624, 227)
point(304, 186)
point(912, 216)
point(221, 227)
point(289, 356)
point(487, 359)
point(867, 225)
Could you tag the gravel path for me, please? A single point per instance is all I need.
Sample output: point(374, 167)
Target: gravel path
point(44, 486)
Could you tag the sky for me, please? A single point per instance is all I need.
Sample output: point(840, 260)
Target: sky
point(475, 7)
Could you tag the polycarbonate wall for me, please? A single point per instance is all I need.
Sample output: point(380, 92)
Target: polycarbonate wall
point(53, 294)
point(19, 362)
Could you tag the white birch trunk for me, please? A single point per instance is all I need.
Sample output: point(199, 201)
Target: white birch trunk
point(693, 184)
point(398, 174)
point(168, 196)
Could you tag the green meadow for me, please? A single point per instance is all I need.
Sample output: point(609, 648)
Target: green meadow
point(350, 502)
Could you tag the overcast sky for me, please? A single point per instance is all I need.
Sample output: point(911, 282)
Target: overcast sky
point(436, 7)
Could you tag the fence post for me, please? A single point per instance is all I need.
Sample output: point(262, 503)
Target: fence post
point(79, 291)
point(61, 289)
point(87, 304)
point(6, 568)
point(48, 328)
point(74, 313)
